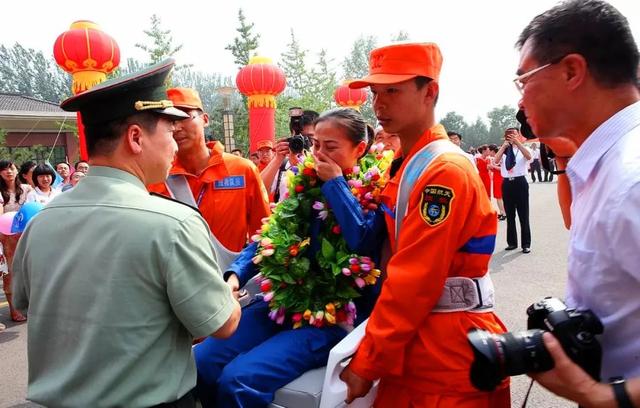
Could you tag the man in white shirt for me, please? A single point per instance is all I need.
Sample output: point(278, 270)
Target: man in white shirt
point(578, 79)
point(534, 166)
point(515, 188)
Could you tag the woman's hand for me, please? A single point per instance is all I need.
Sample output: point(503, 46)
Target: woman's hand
point(326, 168)
point(234, 285)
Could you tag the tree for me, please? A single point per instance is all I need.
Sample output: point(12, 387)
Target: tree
point(400, 36)
point(294, 67)
point(19, 155)
point(454, 122)
point(28, 72)
point(356, 65)
point(161, 45)
point(476, 134)
point(499, 120)
point(245, 44)
point(206, 84)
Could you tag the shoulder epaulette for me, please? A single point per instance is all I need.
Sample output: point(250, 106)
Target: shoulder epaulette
point(176, 201)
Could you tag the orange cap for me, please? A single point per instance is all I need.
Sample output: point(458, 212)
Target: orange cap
point(401, 62)
point(185, 98)
point(265, 143)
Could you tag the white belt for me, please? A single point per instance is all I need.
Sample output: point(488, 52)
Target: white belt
point(461, 294)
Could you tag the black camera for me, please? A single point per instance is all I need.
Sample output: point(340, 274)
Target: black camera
point(546, 154)
point(497, 356)
point(297, 143)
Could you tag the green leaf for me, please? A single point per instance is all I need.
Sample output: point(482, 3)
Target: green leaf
point(327, 249)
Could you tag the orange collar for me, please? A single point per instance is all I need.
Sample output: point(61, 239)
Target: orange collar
point(435, 133)
point(215, 170)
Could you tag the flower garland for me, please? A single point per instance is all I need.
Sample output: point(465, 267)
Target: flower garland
point(322, 295)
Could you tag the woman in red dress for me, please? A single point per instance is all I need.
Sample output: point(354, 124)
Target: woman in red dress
point(496, 180)
point(482, 163)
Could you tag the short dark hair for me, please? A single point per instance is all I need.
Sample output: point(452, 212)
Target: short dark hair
point(42, 170)
point(493, 147)
point(309, 117)
point(62, 162)
point(421, 82)
point(75, 166)
point(592, 28)
point(237, 150)
point(454, 134)
point(482, 148)
point(24, 169)
point(104, 137)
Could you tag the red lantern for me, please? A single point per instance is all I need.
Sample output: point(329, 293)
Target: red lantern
point(261, 81)
point(87, 53)
point(349, 98)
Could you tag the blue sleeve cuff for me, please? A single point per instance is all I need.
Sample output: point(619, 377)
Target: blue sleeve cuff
point(243, 266)
point(361, 231)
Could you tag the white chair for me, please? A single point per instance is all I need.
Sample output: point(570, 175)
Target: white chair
point(322, 387)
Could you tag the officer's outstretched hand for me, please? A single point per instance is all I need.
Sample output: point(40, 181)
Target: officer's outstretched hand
point(569, 380)
point(326, 168)
point(357, 387)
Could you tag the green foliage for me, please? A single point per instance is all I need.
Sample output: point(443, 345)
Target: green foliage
point(20, 155)
point(454, 122)
point(161, 46)
point(500, 119)
point(245, 44)
point(310, 89)
point(28, 72)
point(356, 65)
point(476, 134)
point(321, 284)
point(292, 62)
point(400, 36)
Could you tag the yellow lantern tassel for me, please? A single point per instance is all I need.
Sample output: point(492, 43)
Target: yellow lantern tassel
point(85, 80)
point(262, 101)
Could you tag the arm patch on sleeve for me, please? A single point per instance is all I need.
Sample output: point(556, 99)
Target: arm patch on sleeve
point(435, 204)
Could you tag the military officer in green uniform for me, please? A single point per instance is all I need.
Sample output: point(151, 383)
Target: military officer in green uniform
point(115, 303)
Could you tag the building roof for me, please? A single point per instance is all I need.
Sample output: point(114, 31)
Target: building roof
point(22, 103)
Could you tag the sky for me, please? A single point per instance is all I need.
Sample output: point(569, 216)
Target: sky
point(476, 37)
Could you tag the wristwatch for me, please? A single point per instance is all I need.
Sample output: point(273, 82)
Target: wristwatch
point(620, 391)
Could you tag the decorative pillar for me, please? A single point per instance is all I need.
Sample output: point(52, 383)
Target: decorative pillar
point(261, 81)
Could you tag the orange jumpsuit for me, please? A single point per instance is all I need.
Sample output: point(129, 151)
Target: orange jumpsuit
point(423, 358)
point(230, 196)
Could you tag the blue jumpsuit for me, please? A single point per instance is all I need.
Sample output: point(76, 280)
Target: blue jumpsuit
point(246, 369)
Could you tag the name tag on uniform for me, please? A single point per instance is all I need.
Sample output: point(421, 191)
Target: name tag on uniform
point(229, 183)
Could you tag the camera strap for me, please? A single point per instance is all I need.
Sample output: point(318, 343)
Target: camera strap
point(281, 171)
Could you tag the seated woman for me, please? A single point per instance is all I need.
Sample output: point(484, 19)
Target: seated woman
point(302, 251)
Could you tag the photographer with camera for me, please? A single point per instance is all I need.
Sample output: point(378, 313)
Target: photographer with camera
point(287, 151)
point(578, 79)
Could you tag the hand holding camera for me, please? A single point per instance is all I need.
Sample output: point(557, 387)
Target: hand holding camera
point(497, 356)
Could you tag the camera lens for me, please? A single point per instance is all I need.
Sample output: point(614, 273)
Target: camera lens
point(497, 356)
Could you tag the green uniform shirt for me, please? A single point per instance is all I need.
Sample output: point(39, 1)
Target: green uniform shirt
point(116, 283)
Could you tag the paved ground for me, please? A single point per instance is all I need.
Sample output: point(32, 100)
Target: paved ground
point(520, 279)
